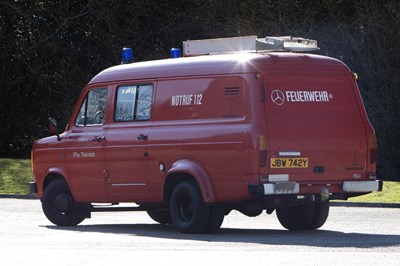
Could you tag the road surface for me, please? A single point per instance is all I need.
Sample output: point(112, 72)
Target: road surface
point(351, 236)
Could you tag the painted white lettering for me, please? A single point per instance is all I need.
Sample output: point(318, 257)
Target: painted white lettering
point(311, 96)
point(186, 100)
point(317, 96)
point(325, 96)
point(83, 154)
point(289, 96)
point(88, 154)
point(307, 96)
point(301, 96)
point(197, 99)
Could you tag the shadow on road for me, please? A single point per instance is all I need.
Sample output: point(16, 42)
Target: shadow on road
point(317, 238)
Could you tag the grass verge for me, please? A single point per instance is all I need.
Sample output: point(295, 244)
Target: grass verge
point(390, 194)
point(15, 175)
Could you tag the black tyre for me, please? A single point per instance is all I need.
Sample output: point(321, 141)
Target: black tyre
point(60, 207)
point(297, 217)
point(188, 212)
point(215, 219)
point(160, 216)
point(321, 212)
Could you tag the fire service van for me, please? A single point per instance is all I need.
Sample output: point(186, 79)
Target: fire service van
point(248, 124)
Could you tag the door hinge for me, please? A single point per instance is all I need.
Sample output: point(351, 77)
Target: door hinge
point(262, 92)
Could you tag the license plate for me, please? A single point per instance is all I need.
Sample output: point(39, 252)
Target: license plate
point(289, 162)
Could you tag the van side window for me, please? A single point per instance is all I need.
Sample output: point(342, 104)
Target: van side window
point(133, 103)
point(93, 108)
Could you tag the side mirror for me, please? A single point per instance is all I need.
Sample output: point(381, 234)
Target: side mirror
point(53, 128)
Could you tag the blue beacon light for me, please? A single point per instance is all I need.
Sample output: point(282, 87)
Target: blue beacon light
point(127, 56)
point(175, 53)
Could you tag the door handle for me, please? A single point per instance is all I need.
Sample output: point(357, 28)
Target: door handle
point(142, 137)
point(98, 139)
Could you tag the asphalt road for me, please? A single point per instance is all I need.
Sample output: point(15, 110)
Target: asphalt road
point(356, 236)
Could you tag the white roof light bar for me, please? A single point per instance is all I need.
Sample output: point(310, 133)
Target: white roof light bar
point(248, 44)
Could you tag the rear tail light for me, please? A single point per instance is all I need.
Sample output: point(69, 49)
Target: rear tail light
point(373, 148)
point(263, 150)
point(263, 158)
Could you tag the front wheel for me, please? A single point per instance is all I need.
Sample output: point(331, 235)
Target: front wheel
point(60, 207)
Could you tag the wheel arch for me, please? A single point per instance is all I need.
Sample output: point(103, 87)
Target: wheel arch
point(53, 174)
point(188, 170)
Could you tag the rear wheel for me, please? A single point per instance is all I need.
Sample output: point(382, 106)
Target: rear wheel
point(297, 217)
point(215, 220)
point(188, 212)
point(321, 212)
point(160, 216)
point(60, 207)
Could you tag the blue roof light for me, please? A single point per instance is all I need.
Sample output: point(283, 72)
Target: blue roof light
point(127, 56)
point(175, 53)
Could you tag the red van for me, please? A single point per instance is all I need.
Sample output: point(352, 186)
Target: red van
point(189, 139)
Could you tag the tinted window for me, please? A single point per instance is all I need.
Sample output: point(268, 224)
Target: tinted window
point(133, 103)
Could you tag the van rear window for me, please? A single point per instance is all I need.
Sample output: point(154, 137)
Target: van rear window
point(133, 103)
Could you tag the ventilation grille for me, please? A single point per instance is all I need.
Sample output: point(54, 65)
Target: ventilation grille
point(232, 91)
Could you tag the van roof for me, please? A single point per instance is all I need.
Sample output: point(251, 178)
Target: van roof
point(234, 63)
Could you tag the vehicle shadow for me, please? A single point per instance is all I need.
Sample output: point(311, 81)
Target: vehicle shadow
point(317, 238)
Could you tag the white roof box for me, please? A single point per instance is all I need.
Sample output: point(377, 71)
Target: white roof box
point(293, 44)
point(248, 44)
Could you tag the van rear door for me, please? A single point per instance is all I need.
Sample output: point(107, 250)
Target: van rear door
point(316, 130)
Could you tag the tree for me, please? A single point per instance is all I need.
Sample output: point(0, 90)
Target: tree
point(50, 49)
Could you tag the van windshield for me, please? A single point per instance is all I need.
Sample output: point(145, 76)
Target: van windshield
point(92, 111)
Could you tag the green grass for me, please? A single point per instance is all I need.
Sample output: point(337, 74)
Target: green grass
point(15, 175)
point(390, 194)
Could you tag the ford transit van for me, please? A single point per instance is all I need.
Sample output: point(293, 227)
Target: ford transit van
point(190, 139)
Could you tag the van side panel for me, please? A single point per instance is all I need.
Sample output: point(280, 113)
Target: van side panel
point(206, 120)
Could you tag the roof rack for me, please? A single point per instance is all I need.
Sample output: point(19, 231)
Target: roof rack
point(248, 44)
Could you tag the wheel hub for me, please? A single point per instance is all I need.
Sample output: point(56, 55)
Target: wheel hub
point(63, 202)
point(185, 209)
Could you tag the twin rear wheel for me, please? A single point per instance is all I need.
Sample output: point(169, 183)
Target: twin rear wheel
point(310, 215)
point(189, 214)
